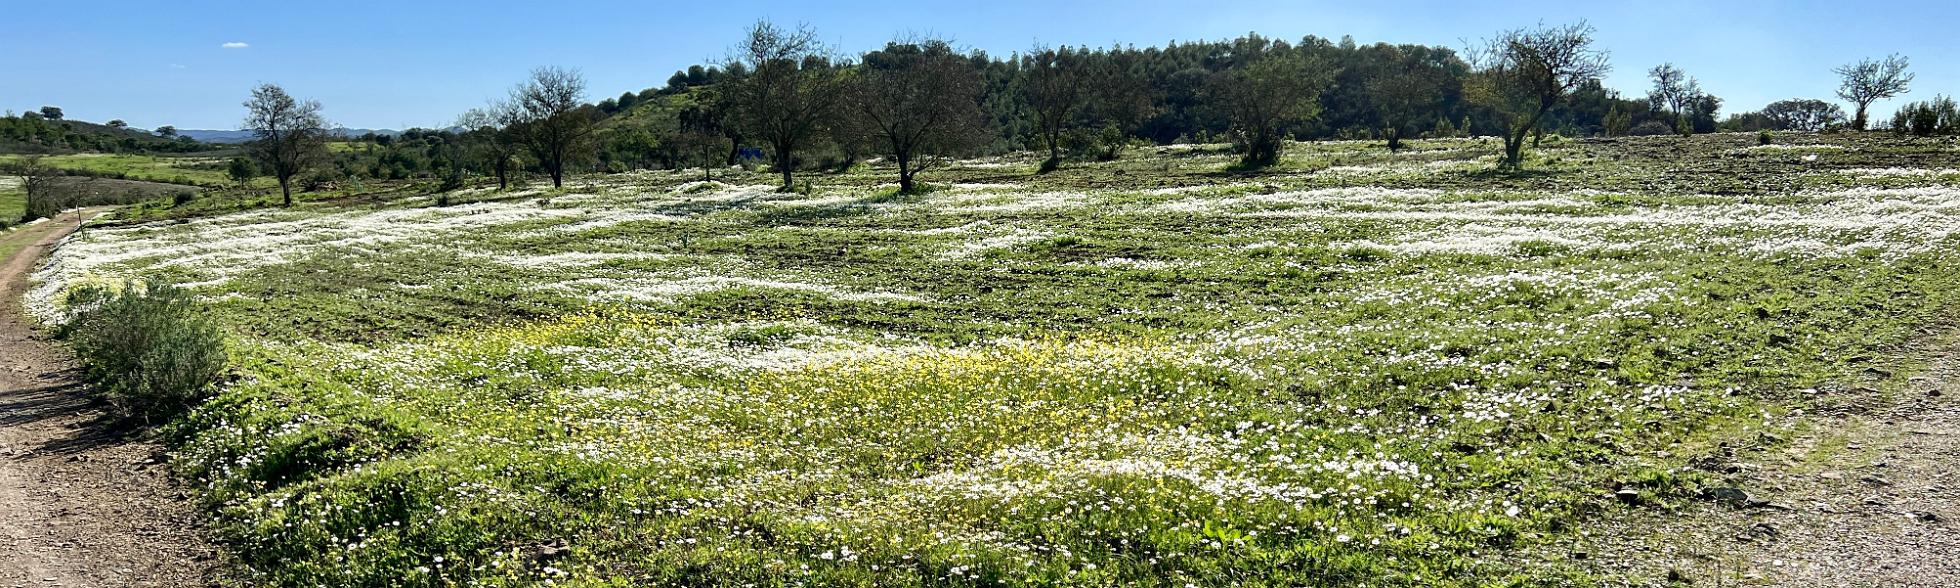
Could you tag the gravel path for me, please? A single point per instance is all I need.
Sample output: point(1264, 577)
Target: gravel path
point(81, 504)
point(1861, 494)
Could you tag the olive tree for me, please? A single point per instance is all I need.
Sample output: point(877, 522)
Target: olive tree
point(1802, 114)
point(1051, 84)
point(916, 100)
point(289, 135)
point(1409, 88)
point(1264, 95)
point(1520, 75)
point(1869, 81)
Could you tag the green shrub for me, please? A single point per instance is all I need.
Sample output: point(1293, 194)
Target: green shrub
point(145, 348)
point(1764, 137)
point(1939, 116)
point(1652, 128)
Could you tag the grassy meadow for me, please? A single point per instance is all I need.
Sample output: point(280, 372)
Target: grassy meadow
point(209, 172)
point(13, 199)
point(1360, 368)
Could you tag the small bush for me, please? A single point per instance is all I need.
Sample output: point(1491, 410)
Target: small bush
point(145, 349)
point(1049, 165)
point(1764, 137)
point(1650, 128)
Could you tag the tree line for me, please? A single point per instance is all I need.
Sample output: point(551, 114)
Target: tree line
point(784, 98)
point(46, 129)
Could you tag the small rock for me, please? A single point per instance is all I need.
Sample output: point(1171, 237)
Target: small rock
point(1629, 496)
point(1876, 480)
point(1924, 516)
point(1729, 495)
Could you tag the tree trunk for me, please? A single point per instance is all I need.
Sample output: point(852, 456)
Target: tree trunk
point(1054, 160)
point(783, 160)
point(904, 174)
point(1514, 147)
point(1394, 139)
point(286, 188)
point(503, 182)
point(1860, 122)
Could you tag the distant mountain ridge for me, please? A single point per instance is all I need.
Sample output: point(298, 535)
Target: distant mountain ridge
point(241, 136)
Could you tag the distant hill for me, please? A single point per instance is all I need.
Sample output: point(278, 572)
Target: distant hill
point(241, 136)
point(29, 133)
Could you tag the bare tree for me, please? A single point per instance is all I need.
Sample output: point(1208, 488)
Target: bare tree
point(1051, 83)
point(1673, 91)
point(915, 100)
point(790, 94)
point(702, 130)
point(288, 135)
point(487, 131)
point(1521, 74)
point(1869, 81)
point(44, 198)
point(548, 116)
point(1265, 95)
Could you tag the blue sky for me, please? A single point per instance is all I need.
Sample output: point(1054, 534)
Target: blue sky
point(403, 63)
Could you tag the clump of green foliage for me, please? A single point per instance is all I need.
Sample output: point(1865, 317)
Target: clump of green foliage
point(1939, 116)
point(146, 349)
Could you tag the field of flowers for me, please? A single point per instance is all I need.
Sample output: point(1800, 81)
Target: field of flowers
point(1361, 369)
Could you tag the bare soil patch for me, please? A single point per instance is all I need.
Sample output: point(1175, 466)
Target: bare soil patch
point(83, 501)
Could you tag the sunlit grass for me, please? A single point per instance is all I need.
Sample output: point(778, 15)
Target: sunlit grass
point(1361, 369)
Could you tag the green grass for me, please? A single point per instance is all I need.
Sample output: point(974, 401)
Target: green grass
point(188, 170)
point(13, 203)
point(1359, 369)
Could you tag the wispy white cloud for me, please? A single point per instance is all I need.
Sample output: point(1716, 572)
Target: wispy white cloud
point(178, 66)
point(235, 45)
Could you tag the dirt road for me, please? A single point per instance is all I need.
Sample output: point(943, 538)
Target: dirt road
point(81, 503)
